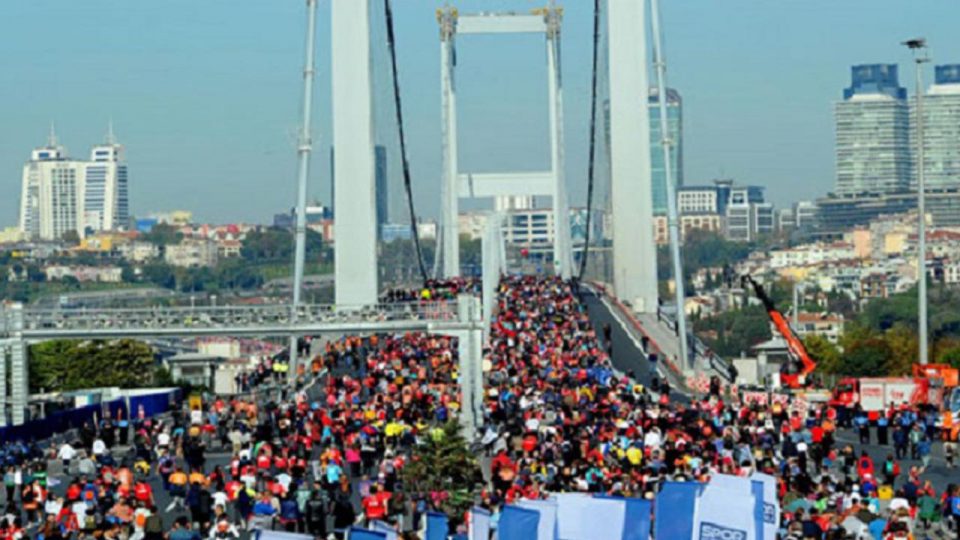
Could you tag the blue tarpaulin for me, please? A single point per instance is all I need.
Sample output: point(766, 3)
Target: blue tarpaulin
point(518, 523)
point(674, 509)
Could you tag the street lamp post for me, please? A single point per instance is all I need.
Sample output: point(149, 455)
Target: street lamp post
point(919, 48)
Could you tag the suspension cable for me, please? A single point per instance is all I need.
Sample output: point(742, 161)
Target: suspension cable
point(388, 12)
point(593, 140)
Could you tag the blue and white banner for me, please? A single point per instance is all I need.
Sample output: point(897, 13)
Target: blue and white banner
point(358, 533)
point(437, 526)
point(518, 523)
point(547, 528)
point(582, 517)
point(385, 528)
point(771, 505)
point(674, 509)
point(743, 485)
point(725, 514)
point(479, 526)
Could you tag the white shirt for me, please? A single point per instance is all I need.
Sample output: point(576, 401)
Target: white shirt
point(80, 509)
point(99, 447)
point(163, 439)
point(220, 499)
point(67, 452)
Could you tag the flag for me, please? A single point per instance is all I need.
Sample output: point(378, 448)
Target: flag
point(479, 526)
point(436, 526)
point(674, 509)
point(547, 528)
point(518, 523)
point(358, 533)
point(771, 505)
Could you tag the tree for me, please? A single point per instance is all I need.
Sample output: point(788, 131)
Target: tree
point(824, 353)
point(70, 237)
point(866, 352)
point(443, 463)
point(904, 346)
point(950, 356)
point(63, 365)
point(163, 234)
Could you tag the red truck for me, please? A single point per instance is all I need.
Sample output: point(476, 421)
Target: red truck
point(878, 393)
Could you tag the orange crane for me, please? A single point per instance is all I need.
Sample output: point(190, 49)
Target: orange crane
point(790, 377)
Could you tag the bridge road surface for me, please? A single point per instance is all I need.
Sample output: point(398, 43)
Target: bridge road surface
point(627, 353)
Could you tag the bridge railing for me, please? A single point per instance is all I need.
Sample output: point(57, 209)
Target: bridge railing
point(231, 315)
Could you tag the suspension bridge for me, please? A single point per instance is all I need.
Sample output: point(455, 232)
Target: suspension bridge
point(619, 188)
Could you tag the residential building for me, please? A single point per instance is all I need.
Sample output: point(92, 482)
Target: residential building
point(138, 251)
point(827, 325)
point(747, 215)
point(11, 235)
point(531, 229)
point(941, 130)
point(59, 194)
point(191, 253)
point(177, 218)
point(688, 223)
point(786, 221)
point(872, 133)
point(805, 215)
point(675, 135)
point(698, 200)
point(101, 274)
point(809, 254)
point(471, 224)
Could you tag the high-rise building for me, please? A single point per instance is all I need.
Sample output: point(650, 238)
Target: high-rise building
point(657, 171)
point(675, 133)
point(941, 130)
point(872, 130)
point(59, 194)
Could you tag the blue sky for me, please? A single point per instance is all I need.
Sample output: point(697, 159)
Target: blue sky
point(205, 94)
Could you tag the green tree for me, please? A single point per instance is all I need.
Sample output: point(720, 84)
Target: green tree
point(71, 237)
point(824, 353)
point(865, 352)
point(63, 365)
point(163, 235)
point(443, 463)
point(904, 347)
point(950, 356)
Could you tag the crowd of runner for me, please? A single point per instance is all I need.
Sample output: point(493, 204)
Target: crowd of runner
point(559, 417)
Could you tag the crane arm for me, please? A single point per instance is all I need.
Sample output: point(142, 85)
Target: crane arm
point(794, 345)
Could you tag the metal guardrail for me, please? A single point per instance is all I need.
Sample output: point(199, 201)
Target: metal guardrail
point(214, 317)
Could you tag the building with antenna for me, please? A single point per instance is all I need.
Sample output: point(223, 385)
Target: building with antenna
point(60, 194)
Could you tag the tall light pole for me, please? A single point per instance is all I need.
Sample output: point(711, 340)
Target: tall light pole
point(304, 146)
point(673, 220)
point(919, 48)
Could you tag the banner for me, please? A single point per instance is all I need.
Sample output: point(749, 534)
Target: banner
point(674, 509)
point(479, 526)
point(725, 514)
point(745, 486)
point(357, 533)
point(570, 524)
point(518, 523)
point(437, 527)
point(547, 528)
point(385, 528)
point(636, 520)
point(771, 505)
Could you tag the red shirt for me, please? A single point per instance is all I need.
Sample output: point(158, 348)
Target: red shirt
point(143, 492)
point(375, 506)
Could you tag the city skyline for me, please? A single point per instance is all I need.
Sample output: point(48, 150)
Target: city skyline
point(208, 113)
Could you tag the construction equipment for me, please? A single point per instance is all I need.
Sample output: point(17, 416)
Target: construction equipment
point(793, 374)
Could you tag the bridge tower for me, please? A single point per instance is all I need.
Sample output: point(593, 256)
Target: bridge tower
point(634, 255)
point(506, 187)
point(355, 265)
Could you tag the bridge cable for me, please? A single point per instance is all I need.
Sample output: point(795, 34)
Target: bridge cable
point(593, 140)
point(388, 12)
